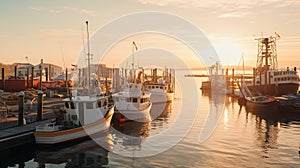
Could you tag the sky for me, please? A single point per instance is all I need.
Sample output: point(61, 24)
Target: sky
point(55, 30)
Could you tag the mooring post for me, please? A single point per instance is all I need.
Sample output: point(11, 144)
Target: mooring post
point(21, 109)
point(39, 116)
point(16, 72)
point(232, 82)
point(27, 78)
point(3, 80)
point(32, 73)
point(254, 76)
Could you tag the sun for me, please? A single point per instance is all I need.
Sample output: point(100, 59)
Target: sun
point(228, 50)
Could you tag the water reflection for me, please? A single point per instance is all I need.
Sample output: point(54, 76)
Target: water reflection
point(89, 153)
point(268, 125)
point(129, 135)
point(267, 134)
point(17, 157)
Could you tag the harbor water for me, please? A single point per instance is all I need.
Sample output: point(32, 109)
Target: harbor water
point(240, 138)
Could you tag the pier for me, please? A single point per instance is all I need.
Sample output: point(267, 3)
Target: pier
point(18, 130)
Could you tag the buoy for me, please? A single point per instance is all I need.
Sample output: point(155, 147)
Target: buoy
point(122, 120)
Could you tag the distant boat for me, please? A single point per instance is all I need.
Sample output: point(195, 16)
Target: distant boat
point(163, 89)
point(159, 93)
point(205, 86)
point(267, 79)
point(133, 103)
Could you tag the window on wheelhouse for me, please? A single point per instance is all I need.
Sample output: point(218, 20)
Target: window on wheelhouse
point(99, 103)
point(89, 105)
point(104, 102)
point(134, 100)
point(73, 105)
point(67, 105)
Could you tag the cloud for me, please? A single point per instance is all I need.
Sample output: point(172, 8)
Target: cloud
point(224, 8)
point(63, 9)
point(57, 34)
point(37, 8)
point(232, 15)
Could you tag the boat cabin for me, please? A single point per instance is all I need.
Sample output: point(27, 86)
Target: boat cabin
point(85, 110)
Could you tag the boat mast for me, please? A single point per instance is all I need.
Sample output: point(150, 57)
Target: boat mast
point(88, 54)
point(133, 47)
point(267, 53)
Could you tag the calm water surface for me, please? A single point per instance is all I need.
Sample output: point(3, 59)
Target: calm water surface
point(241, 139)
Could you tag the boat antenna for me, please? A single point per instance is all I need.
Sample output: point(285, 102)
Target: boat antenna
point(88, 54)
point(136, 48)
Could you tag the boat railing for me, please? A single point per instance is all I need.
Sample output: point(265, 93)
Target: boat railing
point(51, 127)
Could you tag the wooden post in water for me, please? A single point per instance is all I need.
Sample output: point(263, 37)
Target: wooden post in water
point(39, 116)
point(21, 109)
point(254, 74)
point(47, 74)
point(27, 76)
point(3, 80)
point(67, 86)
point(232, 82)
point(16, 72)
point(32, 73)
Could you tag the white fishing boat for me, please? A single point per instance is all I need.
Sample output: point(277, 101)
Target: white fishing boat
point(133, 103)
point(162, 88)
point(84, 114)
point(160, 92)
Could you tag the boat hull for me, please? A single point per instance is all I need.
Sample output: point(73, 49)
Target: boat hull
point(137, 115)
point(58, 137)
point(161, 97)
point(273, 90)
point(258, 107)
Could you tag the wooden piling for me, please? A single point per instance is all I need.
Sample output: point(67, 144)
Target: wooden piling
point(39, 116)
point(46, 74)
point(27, 78)
point(232, 82)
point(254, 74)
point(32, 73)
point(3, 80)
point(21, 109)
point(15, 72)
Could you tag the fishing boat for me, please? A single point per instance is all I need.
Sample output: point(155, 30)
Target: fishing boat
point(162, 89)
point(133, 103)
point(267, 78)
point(85, 113)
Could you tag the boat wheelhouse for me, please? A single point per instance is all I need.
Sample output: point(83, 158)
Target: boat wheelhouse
point(133, 103)
point(160, 92)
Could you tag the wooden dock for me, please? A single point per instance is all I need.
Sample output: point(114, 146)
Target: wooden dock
point(16, 136)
